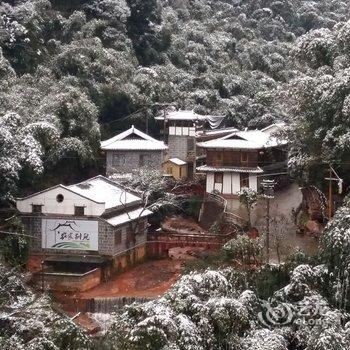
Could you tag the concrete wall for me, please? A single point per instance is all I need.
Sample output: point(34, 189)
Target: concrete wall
point(178, 147)
point(132, 161)
point(48, 200)
point(231, 183)
point(69, 282)
point(106, 237)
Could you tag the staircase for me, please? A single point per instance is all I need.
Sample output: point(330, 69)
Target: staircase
point(215, 208)
point(316, 201)
point(211, 212)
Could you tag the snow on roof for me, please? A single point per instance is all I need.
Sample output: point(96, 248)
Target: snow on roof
point(182, 115)
point(187, 115)
point(216, 131)
point(249, 139)
point(274, 127)
point(123, 141)
point(177, 161)
point(130, 216)
point(230, 169)
point(102, 190)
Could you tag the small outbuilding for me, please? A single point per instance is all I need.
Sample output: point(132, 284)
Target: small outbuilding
point(176, 167)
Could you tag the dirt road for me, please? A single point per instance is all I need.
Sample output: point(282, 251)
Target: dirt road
point(148, 280)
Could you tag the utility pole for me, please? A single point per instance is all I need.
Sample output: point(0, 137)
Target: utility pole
point(164, 125)
point(268, 187)
point(330, 199)
point(147, 127)
point(336, 178)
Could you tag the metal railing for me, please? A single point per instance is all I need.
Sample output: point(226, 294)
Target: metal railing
point(229, 216)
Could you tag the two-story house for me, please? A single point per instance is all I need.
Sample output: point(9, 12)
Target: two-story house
point(131, 150)
point(83, 233)
point(239, 159)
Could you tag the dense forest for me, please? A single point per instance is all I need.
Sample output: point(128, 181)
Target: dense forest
point(75, 71)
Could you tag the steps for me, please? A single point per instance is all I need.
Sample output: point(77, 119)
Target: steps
point(211, 212)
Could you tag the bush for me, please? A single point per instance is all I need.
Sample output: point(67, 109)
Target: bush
point(243, 249)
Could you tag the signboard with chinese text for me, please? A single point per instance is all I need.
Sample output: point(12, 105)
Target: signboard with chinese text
point(69, 234)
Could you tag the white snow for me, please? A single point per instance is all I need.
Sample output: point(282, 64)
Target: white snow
point(177, 161)
point(250, 139)
point(103, 190)
point(123, 142)
point(228, 169)
point(129, 216)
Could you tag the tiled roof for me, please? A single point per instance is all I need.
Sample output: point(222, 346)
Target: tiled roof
point(250, 139)
point(123, 142)
point(229, 169)
point(102, 190)
point(130, 216)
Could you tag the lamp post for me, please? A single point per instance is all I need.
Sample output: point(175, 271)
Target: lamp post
point(336, 178)
point(268, 187)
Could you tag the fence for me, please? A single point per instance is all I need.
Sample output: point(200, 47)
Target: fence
point(229, 216)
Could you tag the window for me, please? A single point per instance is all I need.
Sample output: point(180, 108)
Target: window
point(218, 178)
point(145, 159)
point(218, 158)
point(59, 198)
point(244, 157)
point(79, 211)
point(37, 208)
point(119, 159)
point(244, 180)
point(129, 235)
point(117, 237)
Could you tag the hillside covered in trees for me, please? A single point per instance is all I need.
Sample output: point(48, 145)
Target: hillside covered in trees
point(72, 71)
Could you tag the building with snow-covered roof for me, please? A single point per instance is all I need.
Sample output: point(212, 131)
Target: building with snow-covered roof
point(180, 128)
point(240, 158)
point(176, 168)
point(90, 229)
point(131, 150)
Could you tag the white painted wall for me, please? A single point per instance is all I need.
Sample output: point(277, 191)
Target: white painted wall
point(218, 187)
point(51, 206)
point(231, 183)
point(210, 182)
point(182, 130)
point(253, 182)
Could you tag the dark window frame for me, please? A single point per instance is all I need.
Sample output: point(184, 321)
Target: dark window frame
point(118, 159)
point(76, 210)
point(244, 180)
point(37, 206)
point(218, 178)
point(144, 159)
point(244, 157)
point(117, 237)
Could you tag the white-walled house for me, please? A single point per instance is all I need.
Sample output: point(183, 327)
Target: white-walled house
point(239, 160)
point(93, 228)
point(132, 150)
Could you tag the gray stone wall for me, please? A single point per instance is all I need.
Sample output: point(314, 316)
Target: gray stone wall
point(132, 161)
point(178, 146)
point(141, 235)
point(106, 237)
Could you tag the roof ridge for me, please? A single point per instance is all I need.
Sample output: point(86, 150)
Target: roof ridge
point(121, 137)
